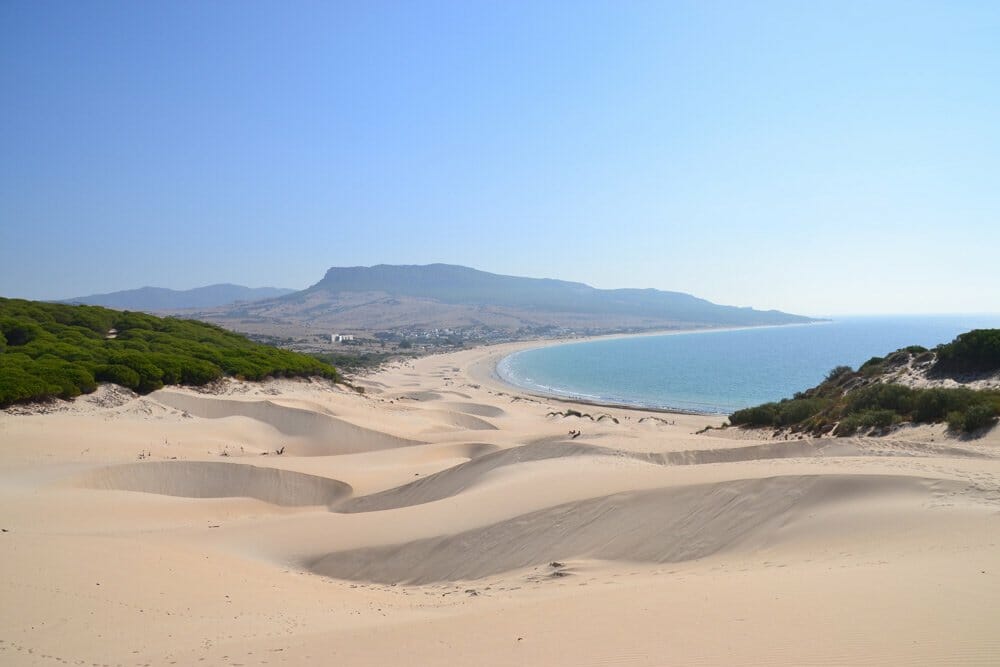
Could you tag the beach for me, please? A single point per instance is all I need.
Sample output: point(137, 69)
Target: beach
point(441, 517)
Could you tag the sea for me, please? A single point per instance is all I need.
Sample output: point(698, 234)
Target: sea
point(719, 371)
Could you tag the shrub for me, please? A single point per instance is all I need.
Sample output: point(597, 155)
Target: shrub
point(19, 332)
point(893, 397)
point(975, 417)
point(838, 372)
point(848, 426)
point(980, 416)
point(956, 421)
point(49, 350)
point(761, 415)
point(847, 402)
point(118, 374)
point(880, 418)
point(977, 351)
point(931, 405)
point(799, 410)
point(866, 420)
point(872, 367)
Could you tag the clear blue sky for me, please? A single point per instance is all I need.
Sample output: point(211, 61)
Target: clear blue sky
point(821, 158)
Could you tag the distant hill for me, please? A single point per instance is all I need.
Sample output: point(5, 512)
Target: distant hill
point(160, 298)
point(460, 285)
point(442, 296)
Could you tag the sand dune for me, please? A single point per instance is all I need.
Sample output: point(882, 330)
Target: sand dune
point(211, 479)
point(443, 518)
point(455, 479)
point(478, 409)
point(664, 525)
point(418, 395)
point(460, 477)
point(459, 420)
point(452, 392)
point(321, 434)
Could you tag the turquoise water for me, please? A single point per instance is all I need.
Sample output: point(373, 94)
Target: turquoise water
point(722, 371)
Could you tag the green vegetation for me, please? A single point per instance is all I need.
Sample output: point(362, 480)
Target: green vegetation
point(349, 363)
point(977, 351)
point(848, 401)
point(53, 350)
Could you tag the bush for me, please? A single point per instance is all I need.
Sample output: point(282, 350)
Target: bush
point(799, 410)
point(875, 406)
point(975, 417)
point(880, 418)
point(932, 405)
point(977, 351)
point(118, 374)
point(873, 366)
point(838, 372)
point(847, 402)
point(867, 420)
point(979, 416)
point(55, 350)
point(761, 415)
point(19, 332)
point(879, 396)
point(956, 421)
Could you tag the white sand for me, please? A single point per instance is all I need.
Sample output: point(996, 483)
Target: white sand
point(444, 519)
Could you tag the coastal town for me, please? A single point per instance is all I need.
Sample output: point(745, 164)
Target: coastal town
point(415, 340)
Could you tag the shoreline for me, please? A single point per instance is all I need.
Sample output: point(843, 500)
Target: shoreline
point(496, 358)
point(450, 514)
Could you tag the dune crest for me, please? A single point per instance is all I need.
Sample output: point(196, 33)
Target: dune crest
point(216, 479)
point(658, 526)
point(320, 434)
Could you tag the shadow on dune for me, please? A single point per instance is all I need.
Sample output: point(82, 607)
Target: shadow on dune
point(455, 419)
point(209, 479)
point(456, 479)
point(321, 434)
point(477, 409)
point(658, 526)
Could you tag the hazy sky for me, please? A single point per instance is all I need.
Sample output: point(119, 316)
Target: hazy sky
point(820, 158)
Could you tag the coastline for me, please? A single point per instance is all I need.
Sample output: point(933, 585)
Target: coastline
point(510, 349)
point(472, 523)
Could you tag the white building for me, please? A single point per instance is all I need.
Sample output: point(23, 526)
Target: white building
point(340, 338)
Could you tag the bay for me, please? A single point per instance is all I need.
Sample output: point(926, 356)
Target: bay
point(719, 371)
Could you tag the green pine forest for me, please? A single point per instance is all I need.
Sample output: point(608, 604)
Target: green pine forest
point(52, 350)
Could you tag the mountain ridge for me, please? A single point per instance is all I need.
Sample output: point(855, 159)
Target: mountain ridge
point(460, 285)
point(163, 298)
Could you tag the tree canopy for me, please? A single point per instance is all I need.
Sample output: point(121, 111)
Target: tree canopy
point(52, 350)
